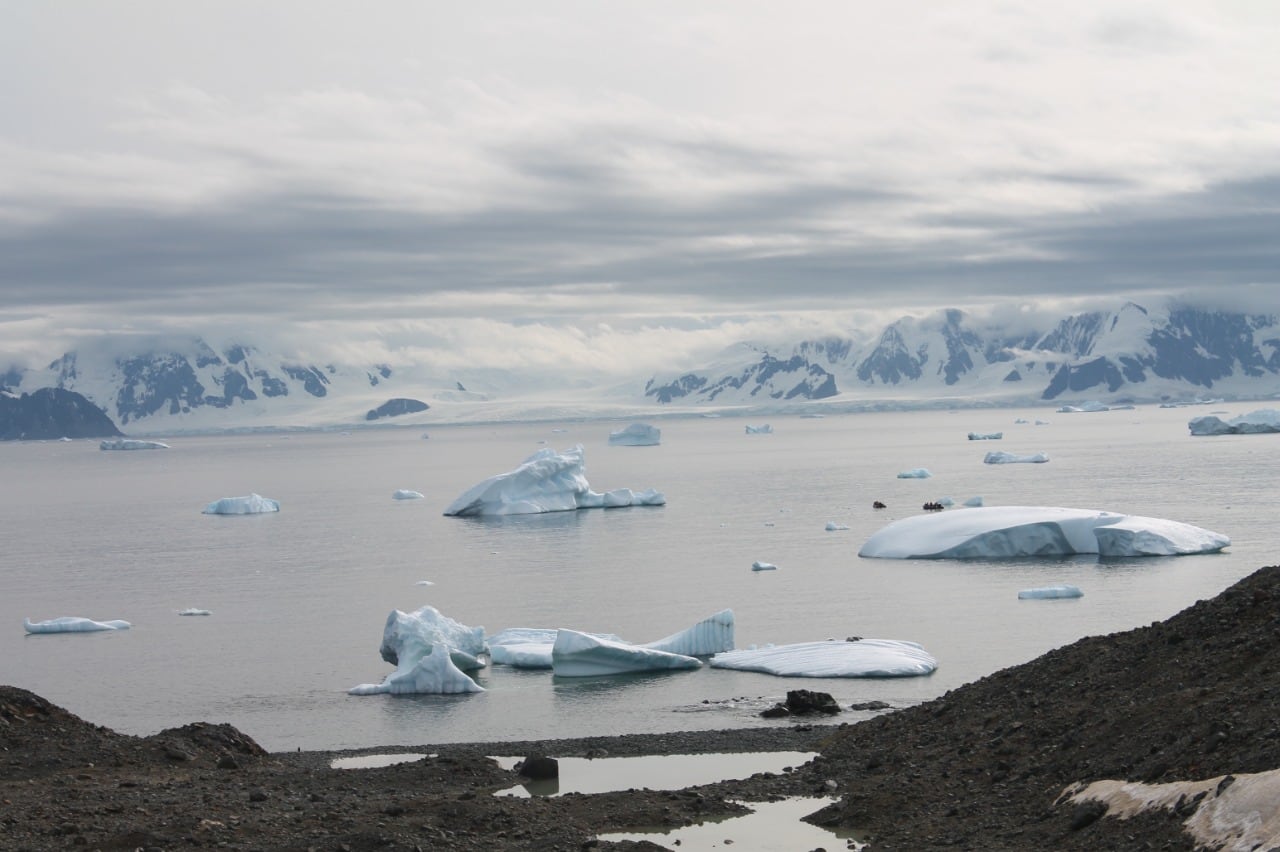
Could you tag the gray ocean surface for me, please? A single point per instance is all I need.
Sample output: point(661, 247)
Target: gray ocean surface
point(299, 598)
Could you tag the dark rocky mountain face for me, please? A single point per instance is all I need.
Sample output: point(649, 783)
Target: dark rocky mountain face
point(396, 407)
point(52, 413)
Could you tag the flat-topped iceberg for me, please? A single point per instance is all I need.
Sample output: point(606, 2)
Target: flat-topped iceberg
point(250, 504)
point(1050, 593)
point(1262, 421)
point(1013, 458)
point(546, 481)
point(832, 658)
point(72, 624)
point(532, 647)
point(132, 444)
point(915, 473)
point(577, 654)
point(636, 435)
point(406, 494)
point(996, 532)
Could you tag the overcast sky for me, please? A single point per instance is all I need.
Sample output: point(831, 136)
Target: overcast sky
point(610, 182)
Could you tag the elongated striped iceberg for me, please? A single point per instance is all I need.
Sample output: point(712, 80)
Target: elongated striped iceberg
point(72, 624)
point(994, 532)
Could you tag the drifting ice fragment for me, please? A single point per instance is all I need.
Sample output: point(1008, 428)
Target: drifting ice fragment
point(72, 624)
point(986, 436)
point(1049, 592)
point(252, 504)
point(832, 526)
point(762, 429)
point(915, 473)
point(1014, 458)
point(406, 494)
point(532, 647)
point(432, 673)
point(763, 566)
point(577, 654)
point(832, 658)
point(194, 611)
point(636, 435)
point(132, 444)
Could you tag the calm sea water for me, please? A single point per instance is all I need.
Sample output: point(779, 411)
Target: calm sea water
point(299, 598)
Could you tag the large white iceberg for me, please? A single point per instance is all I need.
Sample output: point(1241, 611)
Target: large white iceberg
point(546, 481)
point(532, 647)
point(636, 435)
point(577, 654)
point(986, 436)
point(1264, 420)
point(1016, 531)
point(998, 457)
point(430, 652)
point(72, 624)
point(132, 444)
point(832, 658)
point(251, 504)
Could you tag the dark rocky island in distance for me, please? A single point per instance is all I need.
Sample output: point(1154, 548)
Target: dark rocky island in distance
point(48, 414)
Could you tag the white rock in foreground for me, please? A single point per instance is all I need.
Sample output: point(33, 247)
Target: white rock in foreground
point(252, 504)
point(431, 674)
point(577, 654)
point(546, 481)
point(72, 624)
point(406, 494)
point(995, 532)
point(636, 435)
point(1262, 421)
point(1013, 458)
point(132, 444)
point(833, 658)
point(1050, 593)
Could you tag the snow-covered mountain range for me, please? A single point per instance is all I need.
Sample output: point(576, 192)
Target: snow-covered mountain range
point(1132, 354)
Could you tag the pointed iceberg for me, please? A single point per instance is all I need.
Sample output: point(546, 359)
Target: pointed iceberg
point(709, 636)
point(433, 673)
point(833, 658)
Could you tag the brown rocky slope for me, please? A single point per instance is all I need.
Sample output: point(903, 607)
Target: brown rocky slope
point(981, 767)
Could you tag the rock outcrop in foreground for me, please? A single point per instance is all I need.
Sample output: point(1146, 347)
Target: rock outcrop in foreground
point(982, 767)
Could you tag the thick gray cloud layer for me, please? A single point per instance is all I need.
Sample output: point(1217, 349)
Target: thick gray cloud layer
point(601, 166)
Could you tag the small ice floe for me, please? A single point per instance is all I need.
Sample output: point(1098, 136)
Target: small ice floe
point(191, 610)
point(1050, 593)
point(762, 429)
point(945, 502)
point(1042, 422)
point(72, 624)
point(430, 652)
point(973, 502)
point(426, 436)
point(915, 473)
point(533, 647)
point(999, 532)
point(132, 444)
point(251, 504)
point(986, 436)
point(763, 566)
point(636, 435)
point(832, 526)
point(1013, 458)
point(406, 494)
point(424, 583)
point(1020, 420)
point(832, 658)
point(64, 439)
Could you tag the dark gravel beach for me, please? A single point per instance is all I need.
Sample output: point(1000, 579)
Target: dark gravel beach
point(982, 767)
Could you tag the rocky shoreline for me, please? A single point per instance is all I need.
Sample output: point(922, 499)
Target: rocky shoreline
point(982, 767)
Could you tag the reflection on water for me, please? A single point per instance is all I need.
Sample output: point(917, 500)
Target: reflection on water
point(770, 826)
point(653, 772)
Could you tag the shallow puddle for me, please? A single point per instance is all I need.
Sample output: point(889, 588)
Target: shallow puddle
point(373, 761)
point(652, 772)
point(770, 826)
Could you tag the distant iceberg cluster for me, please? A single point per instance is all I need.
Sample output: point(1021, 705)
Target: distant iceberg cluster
point(636, 435)
point(1262, 421)
point(997, 532)
point(250, 504)
point(132, 444)
point(546, 481)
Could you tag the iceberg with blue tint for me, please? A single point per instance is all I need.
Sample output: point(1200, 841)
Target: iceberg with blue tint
point(1262, 421)
point(762, 429)
point(711, 635)
point(996, 532)
point(533, 647)
point(986, 436)
point(577, 654)
point(915, 473)
point(433, 673)
point(132, 444)
point(1014, 458)
point(636, 435)
point(832, 658)
point(406, 494)
point(546, 481)
point(251, 504)
point(1050, 593)
point(72, 624)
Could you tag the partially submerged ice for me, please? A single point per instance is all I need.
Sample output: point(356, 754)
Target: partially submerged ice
point(832, 658)
point(72, 624)
point(250, 504)
point(995, 532)
point(132, 444)
point(1264, 420)
point(577, 654)
point(430, 652)
point(636, 435)
point(546, 481)
point(533, 647)
point(998, 457)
